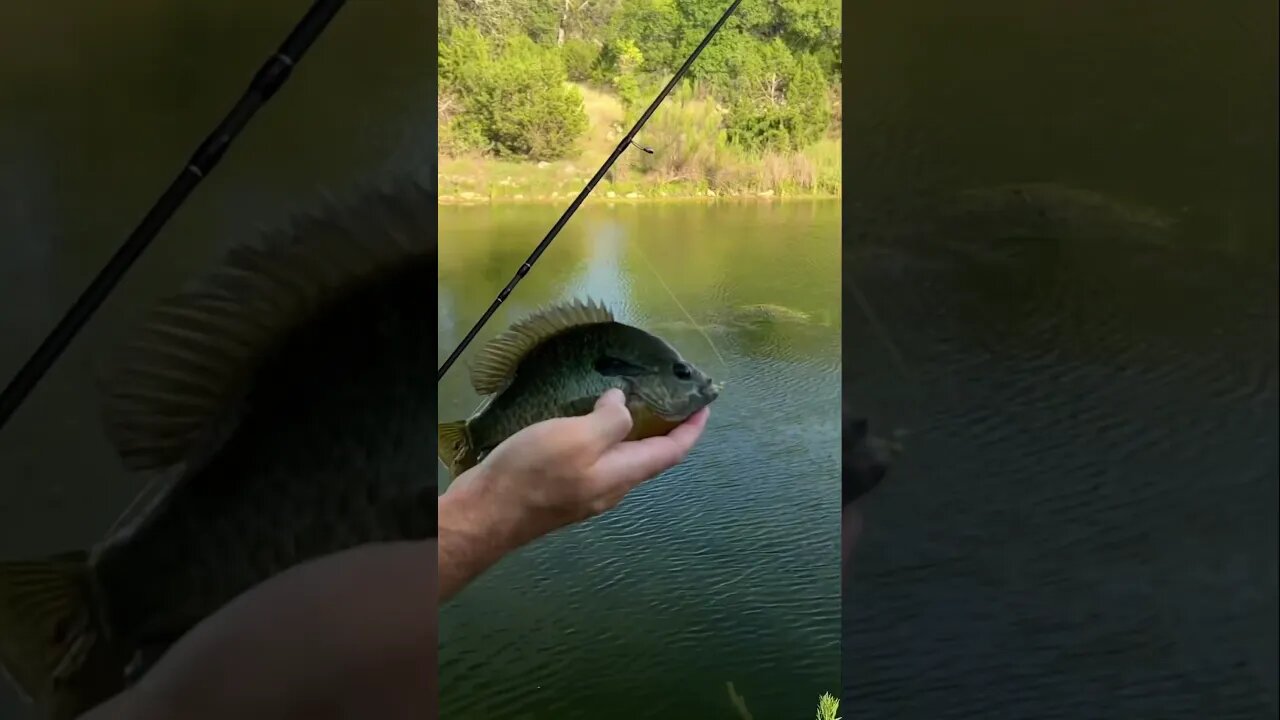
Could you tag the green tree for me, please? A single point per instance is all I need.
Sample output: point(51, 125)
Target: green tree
point(654, 27)
point(580, 58)
point(514, 96)
point(775, 67)
point(539, 20)
point(625, 60)
point(781, 100)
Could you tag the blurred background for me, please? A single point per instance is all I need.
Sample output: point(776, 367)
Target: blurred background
point(100, 106)
point(1084, 522)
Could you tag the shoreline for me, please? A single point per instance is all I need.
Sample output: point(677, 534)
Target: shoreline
point(471, 199)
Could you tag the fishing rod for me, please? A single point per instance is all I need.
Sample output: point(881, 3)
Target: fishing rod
point(269, 78)
point(627, 140)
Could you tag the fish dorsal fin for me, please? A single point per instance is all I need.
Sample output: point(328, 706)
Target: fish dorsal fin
point(178, 389)
point(495, 364)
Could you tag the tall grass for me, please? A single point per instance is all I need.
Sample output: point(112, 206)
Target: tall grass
point(692, 158)
point(691, 147)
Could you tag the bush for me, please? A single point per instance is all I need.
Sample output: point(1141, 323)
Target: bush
point(782, 103)
point(579, 58)
point(517, 101)
point(686, 131)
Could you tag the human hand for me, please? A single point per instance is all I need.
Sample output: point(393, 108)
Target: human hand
point(566, 470)
point(351, 634)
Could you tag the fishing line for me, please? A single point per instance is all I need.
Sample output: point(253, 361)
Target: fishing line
point(676, 300)
point(591, 184)
point(880, 330)
point(900, 433)
point(269, 78)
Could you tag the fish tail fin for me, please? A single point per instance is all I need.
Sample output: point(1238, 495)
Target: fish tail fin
point(453, 446)
point(49, 644)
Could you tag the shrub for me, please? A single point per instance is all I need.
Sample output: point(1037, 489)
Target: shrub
point(686, 131)
point(517, 100)
point(782, 103)
point(579, 58)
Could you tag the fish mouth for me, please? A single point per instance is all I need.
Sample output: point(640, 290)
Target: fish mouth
point(707, 394)
point(694, 402)
point(679, 408)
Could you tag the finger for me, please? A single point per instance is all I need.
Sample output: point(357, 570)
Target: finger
point(610, 420)
point(630, 463)
point(687, 433)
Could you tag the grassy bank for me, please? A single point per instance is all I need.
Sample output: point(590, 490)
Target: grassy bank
point(690, 160)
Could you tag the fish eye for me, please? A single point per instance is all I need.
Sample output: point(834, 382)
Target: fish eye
point(681, 371)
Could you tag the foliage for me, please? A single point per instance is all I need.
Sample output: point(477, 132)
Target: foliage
point(686, 132)
point(768, 85)
point(580, 58)
point(828, 706)
point(622, 57)
point(781, 100)
point(513, 97)
point(692, 158)
point(535, 19)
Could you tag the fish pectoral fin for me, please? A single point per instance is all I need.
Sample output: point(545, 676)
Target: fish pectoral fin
point(453, 447)
point(579, 407)
point(43, 608)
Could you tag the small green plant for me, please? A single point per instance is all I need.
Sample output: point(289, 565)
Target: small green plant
point(828, 706)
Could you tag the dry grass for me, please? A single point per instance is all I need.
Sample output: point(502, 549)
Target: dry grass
point(690, 160)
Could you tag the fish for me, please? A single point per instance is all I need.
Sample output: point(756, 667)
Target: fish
point(1050, 211)
point(746, 317)
point(282, 408)
point(1029, 211)
point(556, 362)
point(767, 313)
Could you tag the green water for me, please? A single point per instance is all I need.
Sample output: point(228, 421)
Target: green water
point(723, 569)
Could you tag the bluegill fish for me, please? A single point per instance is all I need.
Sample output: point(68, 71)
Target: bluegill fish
point(1013, 211)
point(556, 363)
point(286, 406)
point(1053, 211)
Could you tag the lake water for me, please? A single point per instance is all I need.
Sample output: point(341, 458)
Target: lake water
point(723, 569)
point(1084, 522)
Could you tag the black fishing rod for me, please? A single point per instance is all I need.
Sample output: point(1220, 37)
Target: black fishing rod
point(273, 73)
point(573, 207)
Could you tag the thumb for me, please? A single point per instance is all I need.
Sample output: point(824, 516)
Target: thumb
point(610, 419)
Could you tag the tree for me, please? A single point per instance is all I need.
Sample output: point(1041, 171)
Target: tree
point(514, 97)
